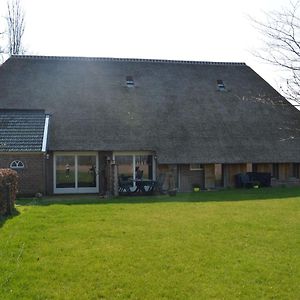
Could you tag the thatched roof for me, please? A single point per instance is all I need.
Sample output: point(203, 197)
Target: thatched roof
point(174, 108)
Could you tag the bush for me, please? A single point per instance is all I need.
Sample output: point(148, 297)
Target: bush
point(8, 190)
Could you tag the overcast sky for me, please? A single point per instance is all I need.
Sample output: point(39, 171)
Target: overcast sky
point(212, 30)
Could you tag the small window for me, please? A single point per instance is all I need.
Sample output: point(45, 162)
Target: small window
point(196, 167)
point(221, 85)
point(129, 81)
point(16, 165)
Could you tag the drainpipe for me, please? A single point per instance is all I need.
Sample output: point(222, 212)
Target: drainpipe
point(46, 156)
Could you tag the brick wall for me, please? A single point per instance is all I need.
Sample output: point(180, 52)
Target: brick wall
point(31, 178)
point(49, 174)
point(219, 175)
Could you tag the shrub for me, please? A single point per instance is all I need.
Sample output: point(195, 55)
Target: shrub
point(8, 190)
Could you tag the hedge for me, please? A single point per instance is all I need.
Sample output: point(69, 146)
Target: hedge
point(8, 190)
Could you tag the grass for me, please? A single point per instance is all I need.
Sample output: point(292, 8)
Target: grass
point(233, 244)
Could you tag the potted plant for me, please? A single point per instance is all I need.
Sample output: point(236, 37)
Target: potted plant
point(196, 188)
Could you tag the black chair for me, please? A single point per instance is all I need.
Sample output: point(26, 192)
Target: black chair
point(124, 185)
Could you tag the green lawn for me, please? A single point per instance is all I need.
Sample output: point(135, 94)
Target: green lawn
point(215, 245)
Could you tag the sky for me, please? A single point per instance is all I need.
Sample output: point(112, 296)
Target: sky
point(212, 30)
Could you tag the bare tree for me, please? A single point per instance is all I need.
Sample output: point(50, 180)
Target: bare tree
point(2, 38)
point(281, 35)
point(2, 50)
point(15, 26)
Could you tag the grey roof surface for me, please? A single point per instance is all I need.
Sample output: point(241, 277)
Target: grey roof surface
point(175, 108)
point(21, 130)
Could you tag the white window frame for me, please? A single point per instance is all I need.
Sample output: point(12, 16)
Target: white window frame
point(134, 154)
point(76, 190)
point(17, 165)
point(196, 167)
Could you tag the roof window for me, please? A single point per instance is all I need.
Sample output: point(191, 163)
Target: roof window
point(221, 85)
point(129, 81)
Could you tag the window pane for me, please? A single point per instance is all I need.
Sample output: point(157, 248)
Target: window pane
point(143, 166)
point(65, 171)
point(17, 164)
point(87, 171)
point(125, 166)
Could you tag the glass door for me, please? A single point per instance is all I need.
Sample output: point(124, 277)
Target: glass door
point(129, 166)
point(65, 171)
point(86, 169)
point(133, 166)
point(75, 173)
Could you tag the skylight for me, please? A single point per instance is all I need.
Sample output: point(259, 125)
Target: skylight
point(129, 81)
point(221, 85)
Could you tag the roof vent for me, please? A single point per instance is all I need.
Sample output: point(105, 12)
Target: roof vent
point(221, 85)
point(129, 81)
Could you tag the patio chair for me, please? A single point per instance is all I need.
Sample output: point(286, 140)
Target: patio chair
point(124, 185)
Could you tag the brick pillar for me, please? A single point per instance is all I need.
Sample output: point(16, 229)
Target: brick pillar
point(218, 175)
point(114, 177)
point(109, 177)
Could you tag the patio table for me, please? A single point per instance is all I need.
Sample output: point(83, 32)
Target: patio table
point(141, 185)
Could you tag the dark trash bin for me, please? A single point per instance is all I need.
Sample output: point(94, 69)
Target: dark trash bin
point(264, 179)
point(242, 181)
point(249, 179)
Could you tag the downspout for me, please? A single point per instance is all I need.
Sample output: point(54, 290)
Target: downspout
point(45, 173)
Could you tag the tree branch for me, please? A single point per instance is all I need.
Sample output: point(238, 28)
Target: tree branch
point(281, 32)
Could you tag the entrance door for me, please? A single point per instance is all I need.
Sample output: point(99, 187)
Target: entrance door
point(75, 173)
